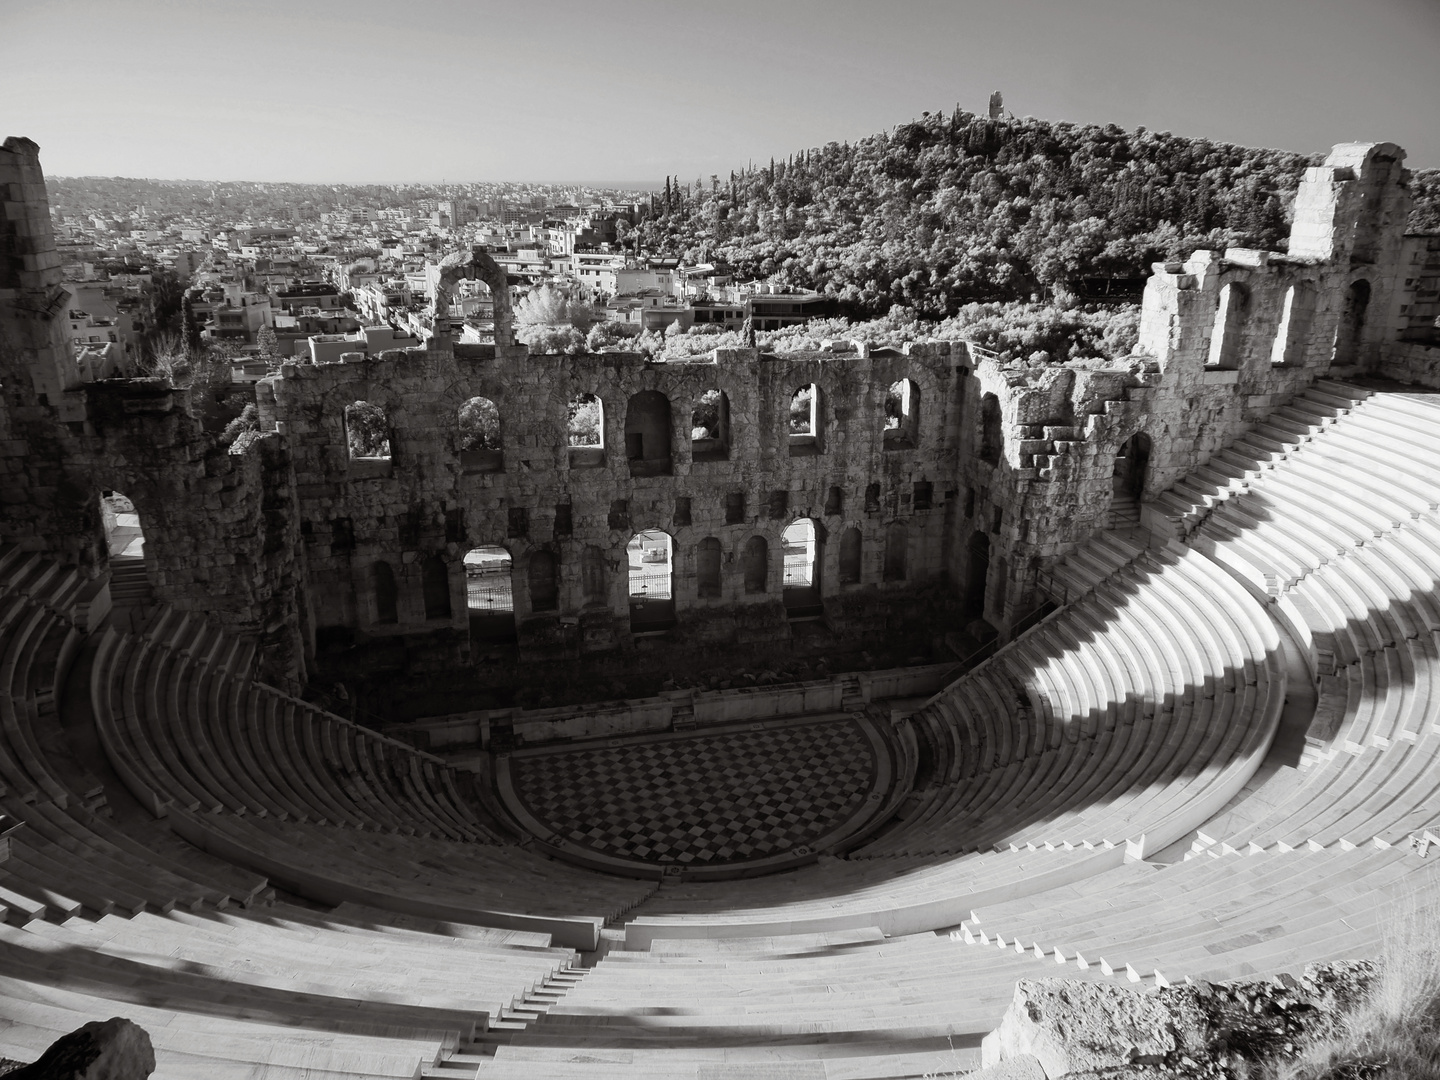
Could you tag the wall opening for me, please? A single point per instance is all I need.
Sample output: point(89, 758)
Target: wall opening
point(803, 421)
point(710, 427)
point(387, 595)
point(594, 587)
point(650, 555)
point(435, 585)
point(757, 565)
point(543, 575)
point(585, 431)
point(835, 502)
point(850, 552)
point(800, 546)
point(1132, 467)
point(489, 594)
point(897, 551)
point(479, 422)
point(367, 431)
point(708, 555)
point(1352, 323)
point(1225, 338)
point(902, 415)
point(978, 574)
point(647, 434)
point(124, 540)
point(992, 432)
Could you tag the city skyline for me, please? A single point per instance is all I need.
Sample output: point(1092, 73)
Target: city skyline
point(622, 96)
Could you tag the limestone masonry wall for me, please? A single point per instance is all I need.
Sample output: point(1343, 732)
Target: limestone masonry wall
point(994, 471)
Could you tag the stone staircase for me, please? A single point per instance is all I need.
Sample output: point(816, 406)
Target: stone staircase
point(470, 1056)
point(1179, 511)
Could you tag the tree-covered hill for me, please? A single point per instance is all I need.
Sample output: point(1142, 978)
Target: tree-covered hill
point(953, 209)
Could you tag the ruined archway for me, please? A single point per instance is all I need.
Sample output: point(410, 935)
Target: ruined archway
point(650, 555)
point(756, 565)
point(475, 265)
point(1231, 310)
point(543, 577)
point(489, 594)
point(801, 581)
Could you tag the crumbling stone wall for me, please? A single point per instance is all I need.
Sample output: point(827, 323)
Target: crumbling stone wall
point(1007, 466)
point(426, 502)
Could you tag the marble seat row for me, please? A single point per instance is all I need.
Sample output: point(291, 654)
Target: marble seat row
point(899, 1007)
point(1122, 705)
point(1213, 918)
point(184, 726)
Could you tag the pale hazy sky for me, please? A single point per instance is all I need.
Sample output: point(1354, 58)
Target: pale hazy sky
point(621, 90)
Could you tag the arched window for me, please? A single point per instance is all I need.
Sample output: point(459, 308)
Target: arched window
point(902, 415)
point(592, 576)
point(1352, 323)
point(804, 421)
point(757, 564)
point(801, 580)
point(1230, 313)
point(652, 593)
point(647, 434)
point(897, 550)
point(367, 431)
point(835, 502)
point(382, 583)
point(544, 580)
point(978, 576)
point(585, 431)
point(435, 583)
point(850, 550)
point(710, 427)
point(992, 431)
point(480, 436)
point(123, 538)
point(707, 568)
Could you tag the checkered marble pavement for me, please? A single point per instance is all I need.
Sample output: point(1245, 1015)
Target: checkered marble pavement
point(702, 801)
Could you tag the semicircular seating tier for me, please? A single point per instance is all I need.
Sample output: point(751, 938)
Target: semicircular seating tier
point(1134, 789)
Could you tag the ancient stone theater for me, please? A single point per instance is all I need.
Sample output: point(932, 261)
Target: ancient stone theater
point(377, 749)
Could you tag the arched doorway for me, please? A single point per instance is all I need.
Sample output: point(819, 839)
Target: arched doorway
point(650, 555)
point(850, 551)
point(801, 583)
point(489, 595)
point(1132, 467)
point(978, 575)
point(1352, 323)
point(123, 539)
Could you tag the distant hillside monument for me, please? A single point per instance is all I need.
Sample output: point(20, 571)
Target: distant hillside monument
point(997, 106)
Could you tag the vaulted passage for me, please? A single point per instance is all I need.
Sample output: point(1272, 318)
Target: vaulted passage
point(123, 536)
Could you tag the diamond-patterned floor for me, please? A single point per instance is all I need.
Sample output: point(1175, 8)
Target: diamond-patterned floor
point(707, 800)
